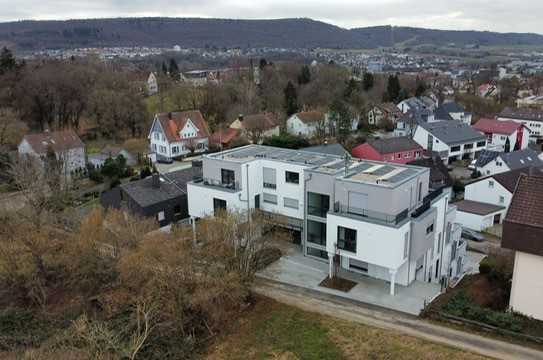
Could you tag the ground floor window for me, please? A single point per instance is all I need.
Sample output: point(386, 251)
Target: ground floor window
point(358, 265)
point(219, 205)
point(316, 232)
point(175, 149)
point(317, 253)
point(346, 239)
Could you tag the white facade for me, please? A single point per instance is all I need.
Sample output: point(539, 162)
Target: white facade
point(488, 191)
point(296, 126)
point(527, 285)
point(152, 84)
point(73, 159)
point(448, 153)
point(475, 221)
point(190, 140)
point(535, 127)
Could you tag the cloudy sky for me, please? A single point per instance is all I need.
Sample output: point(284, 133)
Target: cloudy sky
point(494, 15)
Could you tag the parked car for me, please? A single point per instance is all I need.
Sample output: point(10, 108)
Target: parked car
point(472, 235)
point(163, 159)
point(472, 164)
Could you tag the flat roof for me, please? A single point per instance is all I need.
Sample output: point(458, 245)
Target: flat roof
point(477, 208)
point(351, 169)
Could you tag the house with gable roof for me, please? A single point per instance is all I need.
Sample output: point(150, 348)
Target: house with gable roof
point(504, 135)
point(307, 123)
point(178, 133)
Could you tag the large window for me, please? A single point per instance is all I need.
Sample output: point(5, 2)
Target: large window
point(317, 253)
point(346, 239)
point(292, 177)
point(316, 232)
point(290, 203)
point(269, 176)
point(219, 206)
point(269, 198)
point(455, 148)
point(318, 204)
point(228, 177)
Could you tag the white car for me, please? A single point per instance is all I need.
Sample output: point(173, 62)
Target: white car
point(471, 165)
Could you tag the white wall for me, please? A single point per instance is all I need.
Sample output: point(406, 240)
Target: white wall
point(375, 244)
point(527, 285)
point(493, 168)
point(535, 127)
point(200, 200)
point(481, 191)
point(474, 221)
point(295, 126)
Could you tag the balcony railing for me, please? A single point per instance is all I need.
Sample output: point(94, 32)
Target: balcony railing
point(370, 214)
point(317, 211)
point(427, 203)
point(217, 183)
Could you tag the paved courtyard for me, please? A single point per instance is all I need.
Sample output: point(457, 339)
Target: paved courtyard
point(296, 269)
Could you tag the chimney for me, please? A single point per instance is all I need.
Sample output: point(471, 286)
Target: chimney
point(156, 180)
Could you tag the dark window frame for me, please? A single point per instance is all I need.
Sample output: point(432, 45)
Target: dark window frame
point(288, 180)
point(348, 243)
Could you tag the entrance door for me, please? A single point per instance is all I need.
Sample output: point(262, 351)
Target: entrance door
point(257, 201)
point(497, 218)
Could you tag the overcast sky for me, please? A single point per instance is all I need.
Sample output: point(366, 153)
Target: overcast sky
point(494, 15)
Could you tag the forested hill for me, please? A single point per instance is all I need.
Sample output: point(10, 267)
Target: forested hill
point(197, 32)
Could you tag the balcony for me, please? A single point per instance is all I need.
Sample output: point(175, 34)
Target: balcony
point(427, 203)
point(371, 215)
point(233, 186)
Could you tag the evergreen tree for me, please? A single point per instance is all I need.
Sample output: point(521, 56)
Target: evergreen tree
point(174, 70)
point(341, 117)
point(263, 63)
point(7, 61)
point(305, 75)
point(164, 68)
point(421, 88)
point(352, 88)
point(403, 94)
point(367, 81)
point(393, 88)
point(291, 99)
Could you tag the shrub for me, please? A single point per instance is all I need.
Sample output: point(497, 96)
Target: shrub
point(287, 141)
point(266, 257)
point(458, 186)
point(486, 265)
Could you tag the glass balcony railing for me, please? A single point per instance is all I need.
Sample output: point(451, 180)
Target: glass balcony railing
point(371, 215)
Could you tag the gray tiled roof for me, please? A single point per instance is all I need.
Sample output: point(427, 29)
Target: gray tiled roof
point(444, 110)
point(395, 144)
point(452, 132)
point(172, 185)
point(329, 149)
point(521, 158)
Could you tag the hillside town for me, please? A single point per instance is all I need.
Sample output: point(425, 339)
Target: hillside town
point(140, 189)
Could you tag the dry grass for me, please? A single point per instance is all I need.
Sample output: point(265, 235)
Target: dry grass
point(271, 330)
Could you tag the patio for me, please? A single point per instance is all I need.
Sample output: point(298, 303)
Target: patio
point(298, 270)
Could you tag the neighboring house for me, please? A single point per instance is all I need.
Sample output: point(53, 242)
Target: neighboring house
point(159, 196)
point(439, 174)
point(488, 90)
point(523, 233)
point(329, 149)
point(340, 210)
point(530, 101)
point(307, 123)
point(452, 140)
point(477, 215)
point(152, 84)
point(532, 119)
point(412, 104)
point(256, 127)
point(98, 160)
point(407, 123)
point(452, 111)
point(224, 137)
point(67, 146)
point(496, 190)
point(386, 112)
point(495, 163)
point(503, 136)
point(399, 150)
point(178, 133)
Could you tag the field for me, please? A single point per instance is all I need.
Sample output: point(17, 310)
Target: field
point(271, 330)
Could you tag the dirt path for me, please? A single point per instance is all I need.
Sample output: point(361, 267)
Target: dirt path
point(331, 305)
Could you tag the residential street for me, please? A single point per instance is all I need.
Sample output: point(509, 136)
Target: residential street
point(311, 300)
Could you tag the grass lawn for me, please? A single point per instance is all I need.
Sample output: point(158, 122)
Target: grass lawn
point(277, 331)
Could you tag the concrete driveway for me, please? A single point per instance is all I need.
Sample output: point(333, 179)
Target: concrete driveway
point(298, 270)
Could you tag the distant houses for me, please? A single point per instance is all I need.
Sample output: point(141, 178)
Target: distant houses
point(492, 162)
point(307, 123)
point(504, 135)
point(399, 150)
point(177, 134)
point(383, 113)
point(152, 84)
point(453, 111)
point(65, 145)
point(256, 127)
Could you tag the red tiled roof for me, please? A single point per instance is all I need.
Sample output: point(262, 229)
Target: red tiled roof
point(59, 140)
point(224, 136)
point(264, 121)
point(496, 126)
point(310, 116)
point(174, 122)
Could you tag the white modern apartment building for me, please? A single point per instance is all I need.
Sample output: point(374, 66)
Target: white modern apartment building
point(531, 118)
point(371, 218)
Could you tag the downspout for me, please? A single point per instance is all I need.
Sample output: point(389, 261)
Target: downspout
point(443, 237)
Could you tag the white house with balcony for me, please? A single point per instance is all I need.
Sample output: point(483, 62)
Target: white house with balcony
point(178, 133)
point(451, 139)
point(370, 218)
